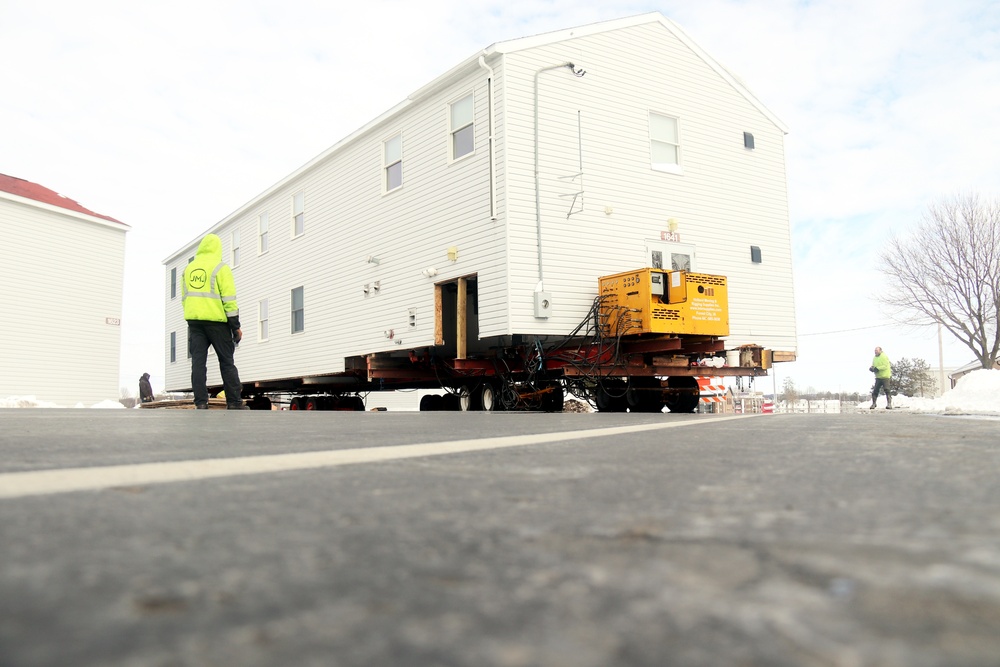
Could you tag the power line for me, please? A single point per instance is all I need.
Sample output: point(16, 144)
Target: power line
point(827, 333)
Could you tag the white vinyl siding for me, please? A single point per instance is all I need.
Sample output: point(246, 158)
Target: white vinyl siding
point(74, 278)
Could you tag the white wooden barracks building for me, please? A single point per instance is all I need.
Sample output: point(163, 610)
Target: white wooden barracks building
point(62, 267)
point(530, 169)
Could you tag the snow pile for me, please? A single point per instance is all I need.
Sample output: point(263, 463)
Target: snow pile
point(25, 402)
point(32, 402)
point(977, 393)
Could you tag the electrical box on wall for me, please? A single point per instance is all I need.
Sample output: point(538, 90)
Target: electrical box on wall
point(543, 304)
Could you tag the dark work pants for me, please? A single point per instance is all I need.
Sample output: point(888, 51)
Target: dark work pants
point(201, 334)
point(880, 383)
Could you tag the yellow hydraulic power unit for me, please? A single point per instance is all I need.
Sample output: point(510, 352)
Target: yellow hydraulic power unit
point(666, 302)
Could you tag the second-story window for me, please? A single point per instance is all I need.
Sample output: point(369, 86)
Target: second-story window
point(298, 214)
point(236, 248)
point(173, 283)
point(262, 318)
point(463, 128)
point(664, 142)
point(393, 162)
point(262, 223)
point(298, 310)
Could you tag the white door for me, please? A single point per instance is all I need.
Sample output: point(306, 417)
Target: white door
point(670, 256)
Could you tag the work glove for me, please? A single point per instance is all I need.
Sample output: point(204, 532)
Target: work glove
point(237, 335)
point(871, 368)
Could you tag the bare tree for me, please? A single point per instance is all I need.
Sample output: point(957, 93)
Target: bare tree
point(948, 272)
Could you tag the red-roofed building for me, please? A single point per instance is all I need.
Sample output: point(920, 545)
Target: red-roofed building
point(63, 268)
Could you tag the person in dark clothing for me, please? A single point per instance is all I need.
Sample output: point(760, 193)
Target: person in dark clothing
point(213, 317)
point(145, 389)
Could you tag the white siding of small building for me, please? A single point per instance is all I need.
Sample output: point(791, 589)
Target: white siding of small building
point(63, 276)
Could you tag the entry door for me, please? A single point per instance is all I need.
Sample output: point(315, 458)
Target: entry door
point(670, 256)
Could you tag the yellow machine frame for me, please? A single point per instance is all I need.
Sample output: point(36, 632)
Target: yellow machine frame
point(664, 302)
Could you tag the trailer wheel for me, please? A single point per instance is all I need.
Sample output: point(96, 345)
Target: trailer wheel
point(259, 403)
point(313, 403)
point(487, 397)
point(554, 397)
point(431, 403)
point(644, 395)
point(610, 396)
point(355, 403)
point(466, 398)
point(451, 402)
point(295, 403)
point(682, 394)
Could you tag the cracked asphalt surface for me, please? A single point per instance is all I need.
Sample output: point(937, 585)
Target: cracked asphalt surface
point(845, 540)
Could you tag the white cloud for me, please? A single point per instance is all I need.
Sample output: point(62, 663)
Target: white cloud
point(169, 117)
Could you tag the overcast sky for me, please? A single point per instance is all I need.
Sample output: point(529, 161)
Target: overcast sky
point(169, 116)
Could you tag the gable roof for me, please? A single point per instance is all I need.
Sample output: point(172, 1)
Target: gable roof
point(519, 44)
point(28, 190)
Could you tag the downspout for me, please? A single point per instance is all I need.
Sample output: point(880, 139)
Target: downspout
point(538, 205)
point(489, 97)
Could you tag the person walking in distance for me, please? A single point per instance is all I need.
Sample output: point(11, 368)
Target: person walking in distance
point(145, 389)
point(883, 372)
point(213, 317)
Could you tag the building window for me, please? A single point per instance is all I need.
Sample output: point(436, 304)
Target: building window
point(173, 283)
point(262, 233)
point(393, 162)
point(298, 310)
point(173, 346)
point(236, 248)
point(298, 214)
point(262, 319)
point(664, 145)
point(463, 129)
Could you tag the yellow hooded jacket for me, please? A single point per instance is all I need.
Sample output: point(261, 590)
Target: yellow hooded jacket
point(208, 290)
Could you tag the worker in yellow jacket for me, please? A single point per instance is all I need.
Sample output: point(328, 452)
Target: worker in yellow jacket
point(213, 317)
point(883, 372)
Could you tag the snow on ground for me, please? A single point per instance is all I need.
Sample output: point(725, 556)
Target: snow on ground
point(32, 402)
point(977, 393)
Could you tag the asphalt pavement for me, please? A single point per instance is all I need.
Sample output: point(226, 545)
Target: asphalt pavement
point(160, 538)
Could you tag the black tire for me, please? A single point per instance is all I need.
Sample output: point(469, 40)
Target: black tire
point(467, 398)
point(296, 403)
point(644, 395)
point(355, 403)
point(554, 398)
point(427, 403)
point(451, 402)
point(259, 403)
point(486, 397)
point(610, 396)
point(682, 395)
